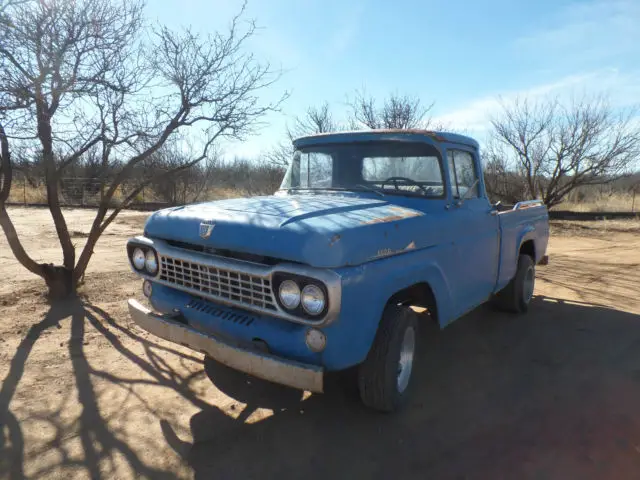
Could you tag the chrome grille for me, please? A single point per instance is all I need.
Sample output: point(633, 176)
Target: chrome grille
point(236, 287)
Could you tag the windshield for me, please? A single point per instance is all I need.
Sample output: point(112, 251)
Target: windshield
point(396, 168)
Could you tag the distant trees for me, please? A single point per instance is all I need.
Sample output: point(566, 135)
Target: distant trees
point(88, 77)
point(547, 149)
point(315, 120)
point(169, 182)
point(248, 177)
point(395, 111)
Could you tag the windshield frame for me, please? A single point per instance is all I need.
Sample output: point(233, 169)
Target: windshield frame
point(423, 148)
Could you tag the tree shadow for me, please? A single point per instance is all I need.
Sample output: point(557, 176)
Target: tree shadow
point(551, 394)
point(14, 436)
point(102, 443)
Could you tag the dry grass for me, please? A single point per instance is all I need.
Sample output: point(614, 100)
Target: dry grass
point(594, 228)
point(21, 193)
point(30, 195)
point(617, 202)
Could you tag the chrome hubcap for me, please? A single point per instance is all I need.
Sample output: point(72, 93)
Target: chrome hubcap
point(405, 364)
point(529, 284)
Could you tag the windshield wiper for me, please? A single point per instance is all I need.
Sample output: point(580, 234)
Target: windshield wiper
point(370, 189)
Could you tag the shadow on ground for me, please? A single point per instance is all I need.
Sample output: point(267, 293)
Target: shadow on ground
point(551, 394)
point(102, 441)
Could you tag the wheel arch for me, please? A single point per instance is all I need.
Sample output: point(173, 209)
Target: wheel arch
point(421, 284)
point(419, 294)
point(528, 247)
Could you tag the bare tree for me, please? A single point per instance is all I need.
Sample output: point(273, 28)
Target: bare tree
point(502, 182)
point(280, 154)
point(244, 176)
point(75, 75)
point(182, 186)
point(557, 148)
point(315, 120)
point(396, 111)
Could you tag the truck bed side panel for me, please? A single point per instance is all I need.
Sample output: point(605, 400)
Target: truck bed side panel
point(518, 226)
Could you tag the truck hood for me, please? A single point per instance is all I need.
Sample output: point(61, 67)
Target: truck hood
point(327, 231)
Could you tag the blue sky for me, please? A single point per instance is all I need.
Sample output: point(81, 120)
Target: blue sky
point(464, 56)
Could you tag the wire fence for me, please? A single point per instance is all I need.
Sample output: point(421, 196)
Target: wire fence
point(76, 192)
point(186, 187)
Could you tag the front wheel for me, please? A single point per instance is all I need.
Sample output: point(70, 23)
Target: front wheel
point(517, 295)
point(384, 378)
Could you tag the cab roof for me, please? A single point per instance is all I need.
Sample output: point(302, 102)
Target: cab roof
point(405, 135)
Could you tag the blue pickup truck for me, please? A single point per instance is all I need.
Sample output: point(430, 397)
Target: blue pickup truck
point(326, 273)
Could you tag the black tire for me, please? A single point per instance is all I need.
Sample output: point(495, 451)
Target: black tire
point(516, 296)
point(378, 375)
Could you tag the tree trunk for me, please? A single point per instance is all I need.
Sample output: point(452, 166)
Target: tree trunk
point(14, 243)
point(59, 280)
point(46, 140)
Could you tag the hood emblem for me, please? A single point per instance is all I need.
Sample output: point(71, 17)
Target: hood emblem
point(206, 228)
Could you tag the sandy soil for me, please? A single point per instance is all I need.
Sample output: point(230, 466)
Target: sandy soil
point(552, 394)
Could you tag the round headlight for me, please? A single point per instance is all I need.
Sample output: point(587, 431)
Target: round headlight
point(150, 263)
point(138, 258)
point(313, 300)
point(290, 294)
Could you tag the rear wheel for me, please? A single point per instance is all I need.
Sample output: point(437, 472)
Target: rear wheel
point(517, 295)
point(384, 379)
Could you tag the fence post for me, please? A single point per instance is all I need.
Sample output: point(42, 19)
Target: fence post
point(633, 202)
point(24, 190)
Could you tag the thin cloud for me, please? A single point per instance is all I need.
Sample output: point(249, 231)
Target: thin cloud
point(586, 32)
point(348, 27)
point(474, 118)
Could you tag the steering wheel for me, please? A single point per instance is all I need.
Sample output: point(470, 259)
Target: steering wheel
point(394, 181)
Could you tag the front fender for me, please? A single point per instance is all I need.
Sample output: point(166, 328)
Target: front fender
point(367, 288)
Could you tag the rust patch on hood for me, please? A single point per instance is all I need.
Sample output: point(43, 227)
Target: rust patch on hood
point(383, 219)
point(402, 213)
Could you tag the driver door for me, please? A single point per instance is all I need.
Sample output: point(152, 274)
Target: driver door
point(476, 236)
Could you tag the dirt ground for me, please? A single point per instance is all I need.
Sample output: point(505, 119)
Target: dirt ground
point(552, 394)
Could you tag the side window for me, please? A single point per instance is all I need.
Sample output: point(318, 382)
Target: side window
point(462, 173)
point(316, 170)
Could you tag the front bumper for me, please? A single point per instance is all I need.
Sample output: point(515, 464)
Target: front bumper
point(262, 365)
